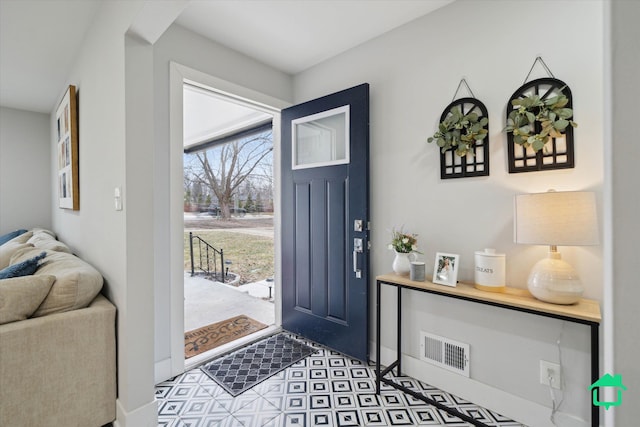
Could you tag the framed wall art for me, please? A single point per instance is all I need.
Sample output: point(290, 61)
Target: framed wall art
point(540, 124)
point(445, 270)
point(466, 120)
point(67, 151)
point(538, 103)
point(463, 137)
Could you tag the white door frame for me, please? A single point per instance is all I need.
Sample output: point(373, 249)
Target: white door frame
point(178, 75)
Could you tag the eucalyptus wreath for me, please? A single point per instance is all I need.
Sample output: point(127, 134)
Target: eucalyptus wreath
point(552, 114)
point(460, 132)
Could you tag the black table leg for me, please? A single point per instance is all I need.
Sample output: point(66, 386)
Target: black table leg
point(595, 372)
point(378, 286)
point(399, 343)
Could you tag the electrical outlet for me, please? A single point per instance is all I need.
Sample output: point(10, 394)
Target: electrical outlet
point(550, 373)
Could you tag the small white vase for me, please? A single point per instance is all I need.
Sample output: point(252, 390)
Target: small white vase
point(402, 263)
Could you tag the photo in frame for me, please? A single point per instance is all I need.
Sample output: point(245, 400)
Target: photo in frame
point(445, 269)
point(67, 150)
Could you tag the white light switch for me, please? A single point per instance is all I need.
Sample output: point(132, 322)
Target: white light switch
point(117, 196)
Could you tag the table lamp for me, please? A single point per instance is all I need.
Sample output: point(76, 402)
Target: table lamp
point(554, 218)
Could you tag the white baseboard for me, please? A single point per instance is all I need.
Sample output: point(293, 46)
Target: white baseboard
point(509, 405)
point(144, 416)
point(163, 370)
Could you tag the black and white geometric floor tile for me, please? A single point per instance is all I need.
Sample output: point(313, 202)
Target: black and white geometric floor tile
point(324, 389)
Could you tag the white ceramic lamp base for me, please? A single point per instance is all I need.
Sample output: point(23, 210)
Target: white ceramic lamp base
point(554, 280)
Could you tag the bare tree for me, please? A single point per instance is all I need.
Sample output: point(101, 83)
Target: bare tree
point(226, 167)
point(187, 187)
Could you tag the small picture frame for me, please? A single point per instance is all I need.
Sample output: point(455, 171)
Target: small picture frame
point(445, 270)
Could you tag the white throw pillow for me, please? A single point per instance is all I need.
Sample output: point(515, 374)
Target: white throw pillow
point(8, 250)
point(21, 238)
point(44, 230)
point(44, 240)
point(20, 297)
point(77, 283)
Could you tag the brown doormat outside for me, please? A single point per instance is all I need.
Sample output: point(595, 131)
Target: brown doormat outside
point(214, 335)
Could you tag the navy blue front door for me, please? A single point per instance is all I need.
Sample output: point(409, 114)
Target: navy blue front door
point(325, 207)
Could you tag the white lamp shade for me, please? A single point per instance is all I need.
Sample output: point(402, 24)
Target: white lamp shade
point(566, 218)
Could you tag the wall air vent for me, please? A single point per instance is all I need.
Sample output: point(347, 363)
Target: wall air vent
point(445, 353)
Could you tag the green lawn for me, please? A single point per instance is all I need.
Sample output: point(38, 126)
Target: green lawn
point(251, 256)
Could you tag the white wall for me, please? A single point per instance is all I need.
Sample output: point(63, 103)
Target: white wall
point(414, 72)
point(231, 69)
point(25, 170)
point(139, 103)
point(107, 238)
point(625, 176)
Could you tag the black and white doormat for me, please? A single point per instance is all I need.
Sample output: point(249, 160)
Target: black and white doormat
point(241, 370)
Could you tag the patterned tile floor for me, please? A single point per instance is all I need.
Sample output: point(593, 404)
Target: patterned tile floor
point(324, 389)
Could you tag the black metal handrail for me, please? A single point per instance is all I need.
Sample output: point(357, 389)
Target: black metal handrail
point(208, 254)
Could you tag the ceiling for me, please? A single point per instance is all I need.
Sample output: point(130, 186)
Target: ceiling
point(293, 35)
point(208, 117)
point(39, 39)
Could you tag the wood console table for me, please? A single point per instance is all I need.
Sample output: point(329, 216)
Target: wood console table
point(586, 312)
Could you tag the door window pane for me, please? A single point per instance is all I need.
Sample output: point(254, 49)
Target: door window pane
point(321, 139)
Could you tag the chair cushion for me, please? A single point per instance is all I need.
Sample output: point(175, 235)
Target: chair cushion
point(23, 268)
point(77, 283)
point(21, 296)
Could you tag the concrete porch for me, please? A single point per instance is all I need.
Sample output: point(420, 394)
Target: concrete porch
point(207, 302)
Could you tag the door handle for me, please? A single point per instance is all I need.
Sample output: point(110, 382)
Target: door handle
point(357, 248)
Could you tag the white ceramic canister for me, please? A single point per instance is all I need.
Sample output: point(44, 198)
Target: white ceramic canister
point(490, 270)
